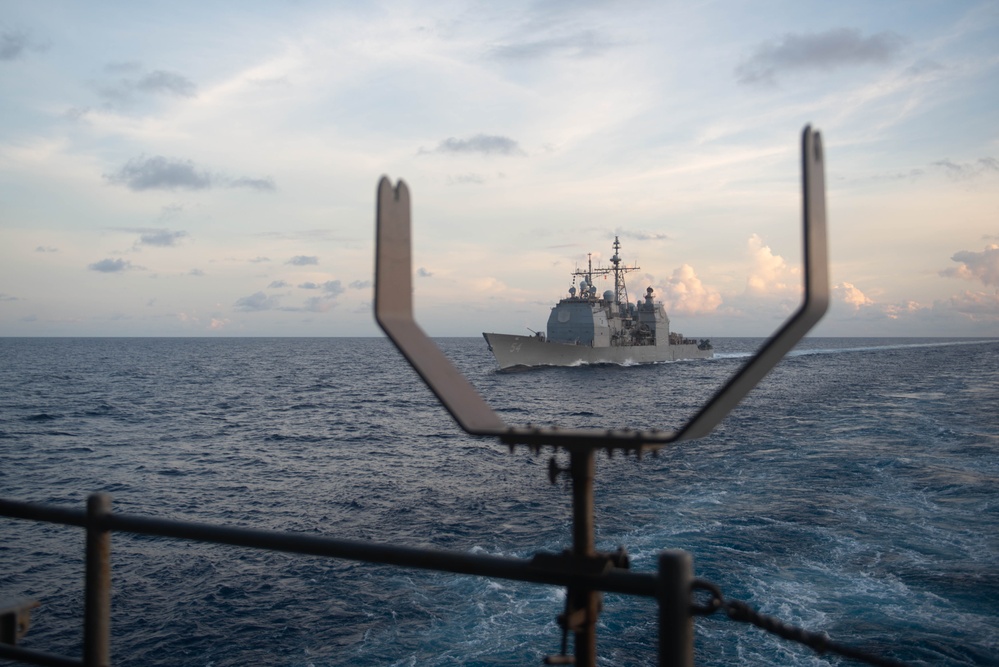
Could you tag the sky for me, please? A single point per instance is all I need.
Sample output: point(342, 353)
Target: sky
point(209, 169)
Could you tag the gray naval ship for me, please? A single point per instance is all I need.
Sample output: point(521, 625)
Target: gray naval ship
point(585, 328)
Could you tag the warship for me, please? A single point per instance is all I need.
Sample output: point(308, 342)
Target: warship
point(587, 328)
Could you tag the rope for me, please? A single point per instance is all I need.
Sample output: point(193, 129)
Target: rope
point(743, 613)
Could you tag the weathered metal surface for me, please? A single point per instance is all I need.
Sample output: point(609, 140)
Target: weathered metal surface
point(676, 625)
point(614, 580)
point(97, 586)
point(15, 619)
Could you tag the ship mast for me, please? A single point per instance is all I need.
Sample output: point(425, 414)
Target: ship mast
point(620, 291)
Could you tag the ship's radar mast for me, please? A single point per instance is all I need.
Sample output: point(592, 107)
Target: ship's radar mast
point(620, 290)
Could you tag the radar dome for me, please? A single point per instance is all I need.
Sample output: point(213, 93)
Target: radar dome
point(584, 286)
point(608, 295)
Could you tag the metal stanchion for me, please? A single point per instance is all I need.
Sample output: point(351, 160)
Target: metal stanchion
point(676, 625)
point(97, 588)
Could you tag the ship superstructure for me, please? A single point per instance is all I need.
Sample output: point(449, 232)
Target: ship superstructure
point(590, 328)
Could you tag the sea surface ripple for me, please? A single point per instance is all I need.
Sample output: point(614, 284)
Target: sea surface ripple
point(854, 492)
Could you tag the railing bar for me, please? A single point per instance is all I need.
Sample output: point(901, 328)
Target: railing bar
point(47, 513)
point(32, 657)
point(614, 581)
point(516, 569)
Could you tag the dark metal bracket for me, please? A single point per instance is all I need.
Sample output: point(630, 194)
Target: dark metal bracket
point(394, 313)
point(15, 619)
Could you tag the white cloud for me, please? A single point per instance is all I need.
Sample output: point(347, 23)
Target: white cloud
point(685, 294)
point(976, 306)
point(982, 266)
point(625, 120)
point(770, 274)
point(850, 295)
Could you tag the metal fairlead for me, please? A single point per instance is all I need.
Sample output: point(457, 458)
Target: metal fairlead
point(394, 313)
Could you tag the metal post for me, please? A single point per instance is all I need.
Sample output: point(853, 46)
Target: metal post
point(676, 625)
point(582, 464)
point(97, 586)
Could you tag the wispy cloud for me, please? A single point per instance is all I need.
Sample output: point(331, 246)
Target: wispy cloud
point(581, 44)
point(160, 173)
point(256, 302)
point(163, 173)
point(303, 260)
point(966, 171)
point(168, 83)
point(640, 235)
point(486, 144)
point(111, 265)
point(15, 43)
point(828, 50)
point(162, 238)
point(333, 287)
point(262, 184)
point(321, 304)
point(465, 179)
point(158, 82)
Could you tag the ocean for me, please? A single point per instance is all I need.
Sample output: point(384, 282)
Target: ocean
point(854, 492)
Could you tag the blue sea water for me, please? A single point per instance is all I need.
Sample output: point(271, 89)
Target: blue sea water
point(854, 492)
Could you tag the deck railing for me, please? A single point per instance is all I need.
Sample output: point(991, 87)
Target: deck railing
point(670, 586)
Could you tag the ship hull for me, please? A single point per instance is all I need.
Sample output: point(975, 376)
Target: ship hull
point(525, 351)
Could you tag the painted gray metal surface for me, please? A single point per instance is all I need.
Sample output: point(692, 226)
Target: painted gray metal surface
point(587, 327)
point(512, 351)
